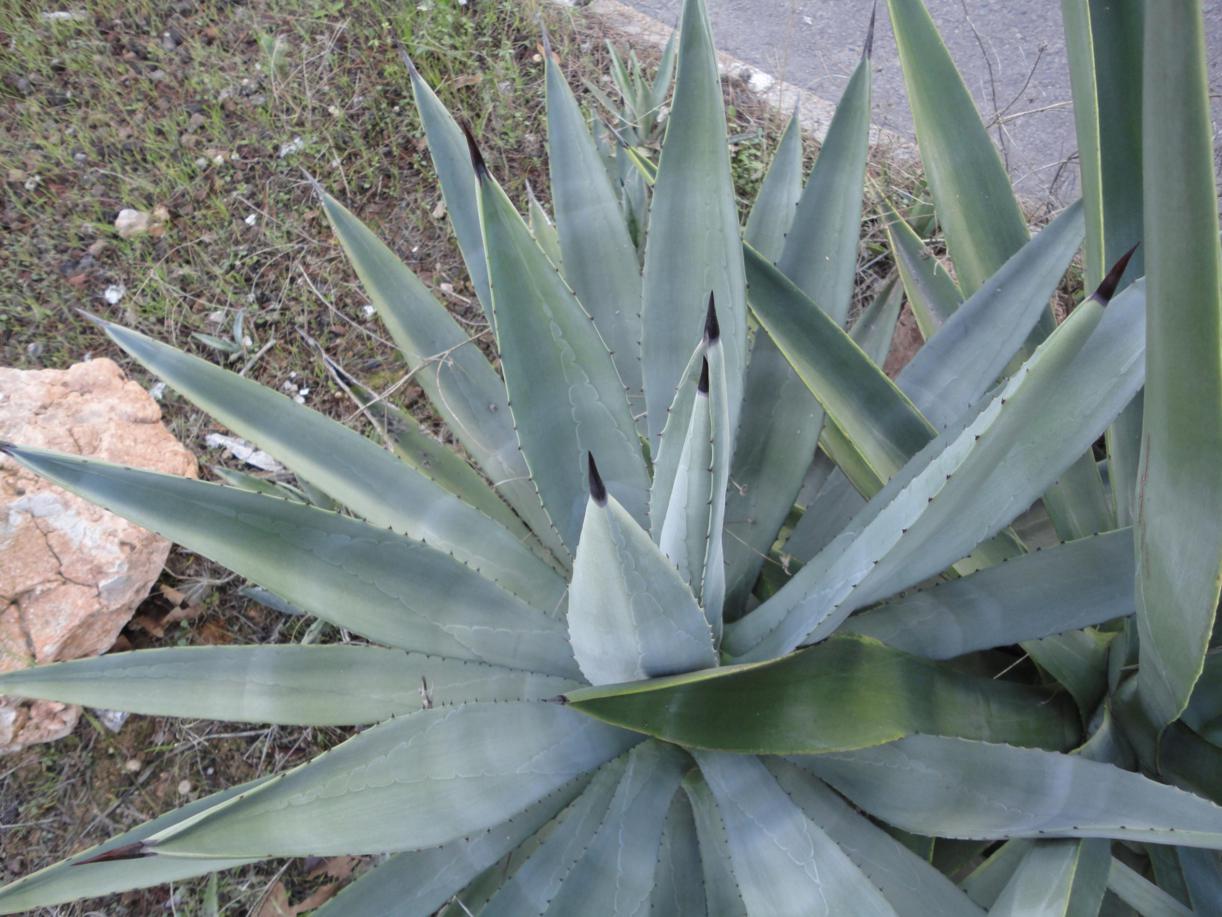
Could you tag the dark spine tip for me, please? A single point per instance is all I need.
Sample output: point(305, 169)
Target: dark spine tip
point(702, 386)
point(712, 330)
point(1107, 289)
point(598, 490)
point(6, 447)
point(477, 158)
point(867, 49)
point(547, 43)
point(133, 851)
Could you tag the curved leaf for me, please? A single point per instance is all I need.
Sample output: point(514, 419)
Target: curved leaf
point(932, 293)
point(1144, 896)
point(379, 584)
point(1061, 878)
point(847, 692)
point(961, 788)
point(417, 781)
point(302, 685)
point(566, 398)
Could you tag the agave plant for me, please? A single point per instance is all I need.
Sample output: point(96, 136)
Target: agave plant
point(720, 619)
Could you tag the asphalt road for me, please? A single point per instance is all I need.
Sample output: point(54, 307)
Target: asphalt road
point(1011, 53)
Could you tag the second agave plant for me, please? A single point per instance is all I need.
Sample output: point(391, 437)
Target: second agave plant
point(712, 617)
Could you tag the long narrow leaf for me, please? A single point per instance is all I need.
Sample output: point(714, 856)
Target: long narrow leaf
point(301, 685)
point(600, 259)
point(848, 692)
point(961, 788)
point(418, 781)
point(379, 584)
point(1058, 589)
point(1179, 502)
point(694, 244)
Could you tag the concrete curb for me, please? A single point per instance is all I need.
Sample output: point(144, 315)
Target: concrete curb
point(814, 111)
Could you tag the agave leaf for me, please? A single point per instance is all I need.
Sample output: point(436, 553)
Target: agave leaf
point(971, 350)
point(85, 875)
point(875, 327)
point(1078, 660)
point(1062, 398)
point(963, 788)
point(454, 172)
point(350, 468)
point(257, 485)
point(820, 254)
point(462, 386)
point(544, 230)
point(1104, 44)
point(847, 692)
point(694, 245)
point(1202, 871)
point(1204, 711)
point(665, 74)
point(417, 781)
point(1179, 504)
point(678, 887)
point(978, 212)
point(416, 884)
point(986, 882)
point(409, 442)
point(630, 613)
point(600, 259)
point(932, 293)
point(536, 881)
point(1062, 878)
point(691, 532)
point(857, 397)
point(669, 452)
point(379, 584)
point(302, 685)
point(908, 881)
point(779, 433)
point(1062, 588)
point(566, 398)
point(722, 892)
point(775, 206)
point(1142, 895)
point(617, 867)
point(783, 862)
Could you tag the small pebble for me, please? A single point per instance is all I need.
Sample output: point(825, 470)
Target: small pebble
point(184, 787)
point(132, 765)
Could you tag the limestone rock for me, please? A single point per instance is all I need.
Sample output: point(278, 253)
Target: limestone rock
point(71, 573)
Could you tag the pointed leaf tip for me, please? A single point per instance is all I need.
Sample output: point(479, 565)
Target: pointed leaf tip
point(477, 158)
point(547, 43)
point(133, 851)
point(703, 385)
point(6, 447)
point(868, 48)
point(598, 490)
point(1107, 289)
point(712, 330)
point(95, 319)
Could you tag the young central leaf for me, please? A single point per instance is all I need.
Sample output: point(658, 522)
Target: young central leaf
point(631, 616)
